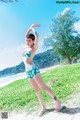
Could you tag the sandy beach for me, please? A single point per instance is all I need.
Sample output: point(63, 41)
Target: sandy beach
point(71, 112)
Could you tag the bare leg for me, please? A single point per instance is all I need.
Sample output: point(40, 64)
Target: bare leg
point(37, 90)
point(41, 83)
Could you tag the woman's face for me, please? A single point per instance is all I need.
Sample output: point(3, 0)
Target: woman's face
point(29, 42)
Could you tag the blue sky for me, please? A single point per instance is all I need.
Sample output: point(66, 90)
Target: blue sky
point(15, 18)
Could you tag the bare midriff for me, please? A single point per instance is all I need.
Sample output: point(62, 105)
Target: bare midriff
point(28, 62)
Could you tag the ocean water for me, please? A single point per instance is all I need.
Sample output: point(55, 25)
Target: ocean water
point(7, 75)
point(11, 78)
point(5, 80)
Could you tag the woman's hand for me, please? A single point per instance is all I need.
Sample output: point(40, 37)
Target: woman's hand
point(32, 29)
point(35, 25)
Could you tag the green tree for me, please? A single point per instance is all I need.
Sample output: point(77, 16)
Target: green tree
point(65, 40)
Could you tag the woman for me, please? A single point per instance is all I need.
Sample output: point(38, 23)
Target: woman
point(32, 72)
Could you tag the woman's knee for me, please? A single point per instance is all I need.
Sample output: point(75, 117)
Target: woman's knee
point(35, 85)
point(44, 87)
point(37, 90)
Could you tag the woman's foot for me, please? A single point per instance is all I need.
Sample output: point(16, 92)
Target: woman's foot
point(42, 112)
point(58, 106)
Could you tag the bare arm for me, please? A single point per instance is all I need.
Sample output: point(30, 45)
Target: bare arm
point(36, 38)
point(36, 35)
point(31, 29)
point(28, 31)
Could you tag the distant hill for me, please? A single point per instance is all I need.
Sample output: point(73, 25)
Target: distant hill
point(42, 60)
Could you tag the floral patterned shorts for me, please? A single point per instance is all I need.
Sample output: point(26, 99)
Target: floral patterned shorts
point(31, 73)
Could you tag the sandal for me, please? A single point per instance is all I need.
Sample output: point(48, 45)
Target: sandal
point(61, 108)
point(41, 113)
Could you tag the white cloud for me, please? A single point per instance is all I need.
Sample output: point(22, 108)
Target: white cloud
point(45, 37)
point(2, 66)
point(21, 48)
point(10, 57)
point(77, 26)
point(65, 10)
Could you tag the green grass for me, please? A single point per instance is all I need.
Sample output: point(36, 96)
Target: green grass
point(20, 94)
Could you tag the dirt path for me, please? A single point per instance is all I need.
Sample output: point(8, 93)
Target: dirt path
point(72, 112)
